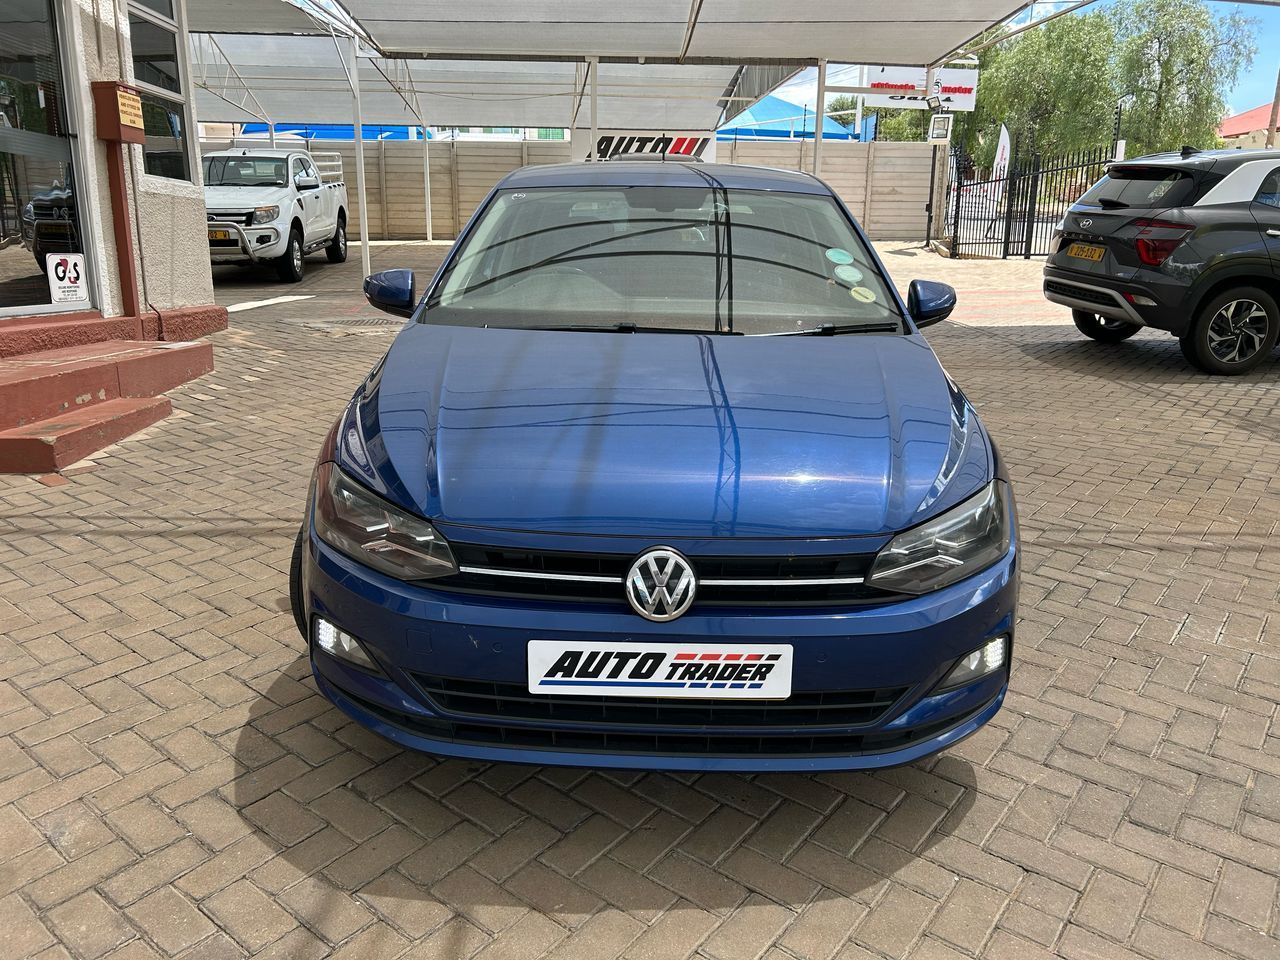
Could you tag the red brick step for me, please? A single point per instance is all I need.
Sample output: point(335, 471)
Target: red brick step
point(29, 335)
point(41, 385)
point(50, 445)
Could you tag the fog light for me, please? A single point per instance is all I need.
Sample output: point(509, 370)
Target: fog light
point(987, 659)
point(1138, 300)
point(342, 645)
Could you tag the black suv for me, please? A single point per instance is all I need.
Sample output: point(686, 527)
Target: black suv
point(1185, 242)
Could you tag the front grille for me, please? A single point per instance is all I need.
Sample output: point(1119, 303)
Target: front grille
point(490, 571)
point(1080, 293)
point(701, 743)
point(499, 702)
point(232, 216)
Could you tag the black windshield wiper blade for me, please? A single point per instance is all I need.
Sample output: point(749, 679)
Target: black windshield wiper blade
point(833, 330)
point(632, 328)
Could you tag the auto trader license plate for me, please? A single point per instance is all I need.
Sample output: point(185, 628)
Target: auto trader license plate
point(219, 234)
point(1086, 251)
point(740, 671)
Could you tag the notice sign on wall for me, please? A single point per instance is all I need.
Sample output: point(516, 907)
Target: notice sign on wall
point(130, 105)
point(66, 278)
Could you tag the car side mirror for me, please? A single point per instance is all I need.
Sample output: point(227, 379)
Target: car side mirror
point(928, 301)
point(303, 182)
point(391, 291)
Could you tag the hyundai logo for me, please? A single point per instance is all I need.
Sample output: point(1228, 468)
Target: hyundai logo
point(1086, 223)
point(660, 584)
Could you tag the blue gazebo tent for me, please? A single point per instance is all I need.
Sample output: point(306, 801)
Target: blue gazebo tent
point(774, 118)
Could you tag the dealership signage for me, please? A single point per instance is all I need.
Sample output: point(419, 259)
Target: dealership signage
point(676, 144)
point(956, 88)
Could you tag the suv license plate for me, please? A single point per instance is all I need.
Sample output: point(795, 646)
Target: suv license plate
point(724, 671)
point(1086, 251)
point(219, 234)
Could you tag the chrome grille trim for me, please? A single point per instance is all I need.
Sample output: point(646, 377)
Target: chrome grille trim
point(586, 578)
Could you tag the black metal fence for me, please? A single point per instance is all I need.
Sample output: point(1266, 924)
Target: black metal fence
point(1014, 215)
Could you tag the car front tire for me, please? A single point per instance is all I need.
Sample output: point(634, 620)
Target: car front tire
point(1233, 332)
point(290, 265)
point(295, 583)
point(1104, 329)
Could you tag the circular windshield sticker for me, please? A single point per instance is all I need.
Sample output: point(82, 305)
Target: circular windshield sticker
point(848, 274)
point(863, 294)
point(836, 255)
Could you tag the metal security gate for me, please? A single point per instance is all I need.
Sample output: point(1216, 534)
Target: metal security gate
point(1014, 215)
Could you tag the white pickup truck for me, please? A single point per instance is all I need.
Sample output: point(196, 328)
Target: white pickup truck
point(275, 207)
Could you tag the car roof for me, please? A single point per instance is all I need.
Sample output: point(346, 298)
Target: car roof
point(671, 173)
point(277, 154)
point(1217, 160)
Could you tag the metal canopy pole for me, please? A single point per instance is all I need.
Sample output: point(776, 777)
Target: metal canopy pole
point(353, 76)
point(819, 117)
point(593, 64)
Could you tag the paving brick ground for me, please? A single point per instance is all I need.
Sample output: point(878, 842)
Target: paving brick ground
point(172, 785)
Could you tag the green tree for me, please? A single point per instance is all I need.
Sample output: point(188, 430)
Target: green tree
point(843, 109)
point(1177, 60)
point(1053, 87)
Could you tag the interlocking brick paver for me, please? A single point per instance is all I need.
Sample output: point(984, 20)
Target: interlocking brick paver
point(171, 782)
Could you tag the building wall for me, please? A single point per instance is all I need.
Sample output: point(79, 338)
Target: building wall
point(168, 223)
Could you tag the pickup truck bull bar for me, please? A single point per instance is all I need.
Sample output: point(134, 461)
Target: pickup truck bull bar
point(238, 230)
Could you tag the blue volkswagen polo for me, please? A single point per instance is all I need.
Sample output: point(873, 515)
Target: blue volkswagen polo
point(661, 474)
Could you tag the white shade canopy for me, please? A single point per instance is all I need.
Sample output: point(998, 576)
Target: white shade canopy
point(910, 32)
point(301, 79)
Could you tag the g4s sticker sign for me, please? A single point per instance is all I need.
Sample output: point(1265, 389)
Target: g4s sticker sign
point(66, 275)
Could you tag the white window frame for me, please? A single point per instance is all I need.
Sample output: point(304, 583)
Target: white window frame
point(177, 27)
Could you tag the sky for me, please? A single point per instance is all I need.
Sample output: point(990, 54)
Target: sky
point(1256, 86)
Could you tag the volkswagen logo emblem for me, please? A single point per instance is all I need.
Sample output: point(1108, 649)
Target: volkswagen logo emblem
point(1086, 223)
point(660, 584)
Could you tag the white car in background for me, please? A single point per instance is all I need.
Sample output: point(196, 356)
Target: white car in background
point(275, 207)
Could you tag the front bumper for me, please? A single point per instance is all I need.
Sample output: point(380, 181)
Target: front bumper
point(417, 634)
point(256, 243)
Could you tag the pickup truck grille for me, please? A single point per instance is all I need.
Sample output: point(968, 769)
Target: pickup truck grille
point(231, 216)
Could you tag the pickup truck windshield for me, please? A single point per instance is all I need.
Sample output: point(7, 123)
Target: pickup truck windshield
point(245, 172)
point(650, 258)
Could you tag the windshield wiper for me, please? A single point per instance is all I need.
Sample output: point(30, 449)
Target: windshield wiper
point(834, 330)
point(629, 328)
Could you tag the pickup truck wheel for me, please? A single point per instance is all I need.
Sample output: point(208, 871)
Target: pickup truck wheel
point(290, 265)
point(337, 248)
point(1103, 329)
point(1233, 332)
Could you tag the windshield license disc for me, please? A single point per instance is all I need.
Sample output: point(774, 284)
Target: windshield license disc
point(848, 274)
point(862, 294)
point(836, 255)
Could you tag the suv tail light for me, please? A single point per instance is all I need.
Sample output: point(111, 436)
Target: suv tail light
point(1157, 239)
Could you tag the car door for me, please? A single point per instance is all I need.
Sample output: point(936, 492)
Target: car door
point(327, 213)
point(1266, 210)
point(311, 199)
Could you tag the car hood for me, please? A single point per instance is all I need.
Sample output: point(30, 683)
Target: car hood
point(665, 435)
point(243, 198)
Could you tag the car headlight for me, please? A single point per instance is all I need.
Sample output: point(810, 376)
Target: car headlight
point(265, 215)
point(371, 531)
point(986, 660)
point(959, 543)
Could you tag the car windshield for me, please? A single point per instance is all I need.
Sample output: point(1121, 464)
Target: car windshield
point(650, 258)
point(245, 172)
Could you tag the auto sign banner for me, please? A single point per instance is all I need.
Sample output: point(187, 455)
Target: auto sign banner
point(676, 144)
point(957, 88)
point(749, 671)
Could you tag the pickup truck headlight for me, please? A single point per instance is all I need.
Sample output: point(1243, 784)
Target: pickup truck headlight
point(265, 215)
point(371, 531)
point(959, 543)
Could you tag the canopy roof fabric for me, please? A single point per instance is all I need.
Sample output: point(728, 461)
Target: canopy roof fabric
point(910, 32)
point(302, 79)
point(774, 117)
point(249, 16)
